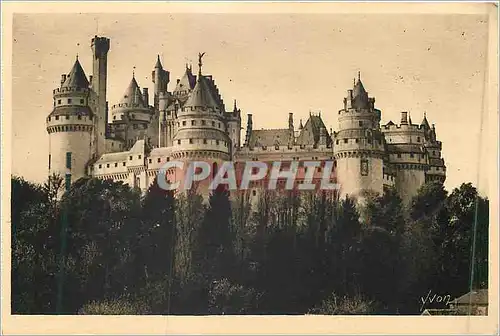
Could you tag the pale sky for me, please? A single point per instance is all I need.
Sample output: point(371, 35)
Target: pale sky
point(272, 64)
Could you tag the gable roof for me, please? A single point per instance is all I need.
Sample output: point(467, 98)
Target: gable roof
point(476, 297)
point(311, 131)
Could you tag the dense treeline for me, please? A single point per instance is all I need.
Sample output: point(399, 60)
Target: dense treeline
point(156, 254)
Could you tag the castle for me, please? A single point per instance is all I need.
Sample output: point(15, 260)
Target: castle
point(130, 140)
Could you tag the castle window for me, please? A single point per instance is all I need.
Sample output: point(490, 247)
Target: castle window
point(114, 117)
point(139, 157)
point(69, 101)
point(213, 123)
point(205, 141)
point(277, 147)
point(168, 159)
point(337, 142)
point(79, 117)
point(184, 123)
point(357, 140)
point(360, 123)
point(130, 157)
point(68, 160)
point(191, 141)
point(57, 117)
point(124, 164)
point(82, 101)
point(193, 122)
point(203, 122)
point(418, 139)
point(49, 161)
point(100, 166)
point(116, 164)
point(411, 155)
point(254, 192)
point(346, 140)
point(219, 125)
point(59, 102)
point(217, 142)
point(150, 161)
point(399, 155)
point(159, 160)
point(107, 165)
point(433, 152)
point(178, 142)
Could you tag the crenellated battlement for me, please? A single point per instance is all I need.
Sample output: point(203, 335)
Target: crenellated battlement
point(67, 90)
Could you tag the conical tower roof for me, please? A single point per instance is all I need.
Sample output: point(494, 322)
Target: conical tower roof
point(133, 95)
point(359, 89)
point(425, 123)
point(76, 77)
point(158, 63)
point(187, 82)
point(201, 96)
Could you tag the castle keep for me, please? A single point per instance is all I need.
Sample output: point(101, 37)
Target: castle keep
point(131, 139)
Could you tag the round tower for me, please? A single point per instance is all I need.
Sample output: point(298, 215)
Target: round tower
point(70, 126)
point(405, 144)
point(359, 146)
point(201, 133)
point(132, 116)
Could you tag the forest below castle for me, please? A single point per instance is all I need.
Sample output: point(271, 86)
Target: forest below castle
point(127, 253)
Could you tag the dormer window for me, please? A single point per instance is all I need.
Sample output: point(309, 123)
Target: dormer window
point(184, 123)
point(69, 101)
point(59, 102)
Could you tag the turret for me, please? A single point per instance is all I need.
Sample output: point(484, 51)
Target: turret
point(70, 126)
point(161, 78)
point(132, 116)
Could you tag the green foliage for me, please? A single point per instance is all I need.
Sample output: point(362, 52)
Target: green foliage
point(227, 298)
point(119, 306)
point(160, 254)
point(335, 305)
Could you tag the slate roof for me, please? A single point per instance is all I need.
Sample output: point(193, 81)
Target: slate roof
point(133, 95)
point(476, 297)
point(270, 137)
point(76, 77)
point(71, 110)
point(310, 132)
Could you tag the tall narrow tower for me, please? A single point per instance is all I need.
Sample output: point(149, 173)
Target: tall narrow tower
point(100, 48)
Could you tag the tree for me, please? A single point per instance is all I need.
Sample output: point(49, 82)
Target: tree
point(101, 221)
point(335, 305)
point(34, 248)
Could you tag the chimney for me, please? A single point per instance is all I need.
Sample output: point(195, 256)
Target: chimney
point(404, 118)
point(178, 80)
point(249, 129)
point(63, 79)
point(145, 96)
point(290, 121)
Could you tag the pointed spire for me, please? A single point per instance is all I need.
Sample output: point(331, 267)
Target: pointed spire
point(76, 77)
point(133, 72)
point(300, 125)
point(235, 108)
point(158, 63)
point(359, 76)
point(409, 118)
